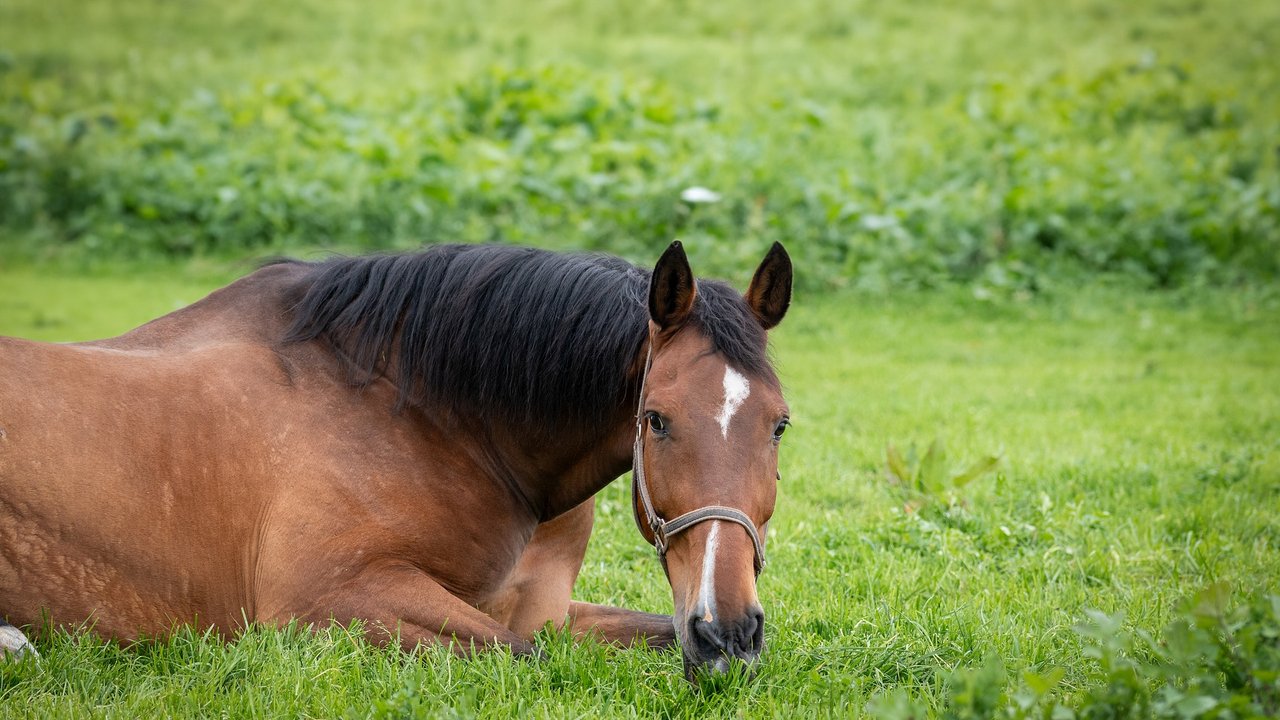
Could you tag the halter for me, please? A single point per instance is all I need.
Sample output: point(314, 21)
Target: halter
point(664, 530)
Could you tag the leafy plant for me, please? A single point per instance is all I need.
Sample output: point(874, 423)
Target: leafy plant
point(1211, 661)
point(931, 478)
point(1009, 171)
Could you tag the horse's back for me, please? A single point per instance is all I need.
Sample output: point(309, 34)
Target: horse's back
point(251, 309)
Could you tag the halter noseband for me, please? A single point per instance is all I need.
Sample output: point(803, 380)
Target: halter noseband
point(664, 530)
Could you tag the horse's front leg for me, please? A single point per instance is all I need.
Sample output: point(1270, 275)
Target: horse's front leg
point(398, 601)
point(620, 625)
point(539, 588)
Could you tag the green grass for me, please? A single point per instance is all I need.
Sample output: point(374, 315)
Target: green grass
point(1140, 463)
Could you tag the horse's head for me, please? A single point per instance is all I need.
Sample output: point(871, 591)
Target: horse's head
point(706, 469)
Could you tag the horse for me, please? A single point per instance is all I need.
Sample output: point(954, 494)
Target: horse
point(410, 442)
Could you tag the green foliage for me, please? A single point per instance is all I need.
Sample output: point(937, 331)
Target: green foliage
point(931, 478)
point(290, 163)
point(1210, 662)
point(973, 156)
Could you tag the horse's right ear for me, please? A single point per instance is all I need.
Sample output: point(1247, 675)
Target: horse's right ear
point(769, 294)
point(672, 289)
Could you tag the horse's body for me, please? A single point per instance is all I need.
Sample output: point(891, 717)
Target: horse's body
point(254, 456)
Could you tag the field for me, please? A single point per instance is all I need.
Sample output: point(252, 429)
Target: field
point(1044, 233)
point(1138, 466)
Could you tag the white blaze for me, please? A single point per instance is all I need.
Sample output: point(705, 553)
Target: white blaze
point(709, 571)
point(736, 390)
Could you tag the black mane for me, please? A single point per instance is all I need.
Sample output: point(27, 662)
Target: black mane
point(522, 336)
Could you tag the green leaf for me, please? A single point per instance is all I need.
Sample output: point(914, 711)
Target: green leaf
point(1210, 605)
point(897, 467)
point(976, 470)
point(1194, 706)
point(1042, 684)
point(932, 473)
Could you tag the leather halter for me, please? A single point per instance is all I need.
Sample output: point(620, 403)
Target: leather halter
point(664, 530)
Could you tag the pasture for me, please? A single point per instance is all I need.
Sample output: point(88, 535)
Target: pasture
point(1044, 233)
point(1138, 466)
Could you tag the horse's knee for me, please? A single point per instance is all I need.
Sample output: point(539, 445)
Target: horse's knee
point(538, 590)
point(13, 644)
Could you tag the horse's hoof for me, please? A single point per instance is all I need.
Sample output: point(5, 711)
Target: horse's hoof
point(14, 645)
point(529, 652)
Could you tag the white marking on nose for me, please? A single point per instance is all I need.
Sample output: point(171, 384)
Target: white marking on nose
point(736, 390)
point(708, 595)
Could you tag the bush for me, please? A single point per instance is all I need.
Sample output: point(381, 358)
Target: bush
point(1146, 169)
point(1210, 662)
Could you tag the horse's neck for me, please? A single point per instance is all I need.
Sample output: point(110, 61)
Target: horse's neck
point(602, 456)
point(555, 473)
point(550, 471)
point(548, 475)
point(597, 464)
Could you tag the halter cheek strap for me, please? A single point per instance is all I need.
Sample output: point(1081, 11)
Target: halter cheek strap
point(663, 530)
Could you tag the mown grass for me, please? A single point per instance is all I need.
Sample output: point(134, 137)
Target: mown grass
point(1140, 464)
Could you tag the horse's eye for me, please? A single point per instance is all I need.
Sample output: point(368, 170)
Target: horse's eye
point(781, 428)
point(657, 424)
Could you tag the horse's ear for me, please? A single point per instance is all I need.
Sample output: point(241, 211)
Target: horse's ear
point(671, 289)
point(769, 295)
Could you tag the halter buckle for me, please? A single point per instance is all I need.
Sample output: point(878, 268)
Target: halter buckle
point(658, 527)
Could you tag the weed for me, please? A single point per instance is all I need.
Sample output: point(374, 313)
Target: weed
point(931, 478)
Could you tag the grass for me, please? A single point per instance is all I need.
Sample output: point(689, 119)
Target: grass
point(1140, 463)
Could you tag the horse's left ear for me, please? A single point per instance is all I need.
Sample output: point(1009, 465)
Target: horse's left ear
point(769, 295)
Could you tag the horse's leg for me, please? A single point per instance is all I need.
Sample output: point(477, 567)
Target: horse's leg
point(400, 601)
point(13, 643)
point(539, 588)
point(620, 625)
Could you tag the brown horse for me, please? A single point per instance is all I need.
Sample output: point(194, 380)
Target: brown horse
point(408, 440)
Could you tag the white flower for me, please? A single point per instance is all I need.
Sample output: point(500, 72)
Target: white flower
point(878, 222)
point(698, 194)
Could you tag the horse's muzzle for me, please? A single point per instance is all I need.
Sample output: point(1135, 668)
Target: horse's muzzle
point(713, 645)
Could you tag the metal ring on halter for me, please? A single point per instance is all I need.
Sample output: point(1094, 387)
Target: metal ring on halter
point(664, 530)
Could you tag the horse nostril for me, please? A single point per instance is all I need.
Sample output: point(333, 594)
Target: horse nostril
point(713, 641)
point(706, 637)
point(751, 639)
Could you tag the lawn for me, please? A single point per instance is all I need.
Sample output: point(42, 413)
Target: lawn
point(1137, 437)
